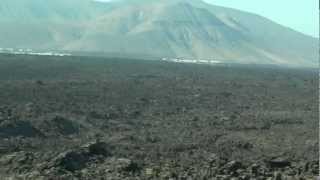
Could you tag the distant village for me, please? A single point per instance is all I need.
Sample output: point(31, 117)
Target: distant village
point(49, 53)
point(194, 61)
point(31, 52)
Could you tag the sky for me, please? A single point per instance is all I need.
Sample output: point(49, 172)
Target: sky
point(301, 15)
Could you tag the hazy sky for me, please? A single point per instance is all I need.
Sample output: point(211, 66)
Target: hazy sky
point(301, 15)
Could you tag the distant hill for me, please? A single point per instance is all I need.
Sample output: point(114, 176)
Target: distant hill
point(166, 28)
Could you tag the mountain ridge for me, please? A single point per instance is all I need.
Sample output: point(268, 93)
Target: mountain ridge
point(179, 28)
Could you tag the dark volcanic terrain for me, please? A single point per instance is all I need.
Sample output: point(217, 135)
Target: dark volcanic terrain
point(95, 118)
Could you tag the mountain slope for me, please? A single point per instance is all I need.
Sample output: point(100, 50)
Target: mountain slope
point(176, 28)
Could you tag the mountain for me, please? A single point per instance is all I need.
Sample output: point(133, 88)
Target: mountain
point(160, 28)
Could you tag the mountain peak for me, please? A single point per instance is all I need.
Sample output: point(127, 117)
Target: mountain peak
point(146, 2)
point(163, 28)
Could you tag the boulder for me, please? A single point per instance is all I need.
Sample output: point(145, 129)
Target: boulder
point(78, 159)
point(233, 166)
point(99, 148)
point(128, 165)
point(279, 162)
point(72, 160)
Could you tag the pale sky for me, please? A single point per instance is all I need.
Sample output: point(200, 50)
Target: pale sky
point(300, 15)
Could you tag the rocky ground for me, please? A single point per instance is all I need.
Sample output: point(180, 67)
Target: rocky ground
point(91, 118)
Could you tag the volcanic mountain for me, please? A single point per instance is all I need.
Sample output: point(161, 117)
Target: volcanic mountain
point(158, 28)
